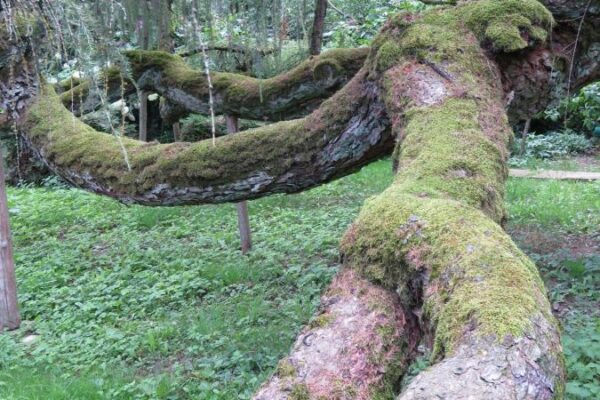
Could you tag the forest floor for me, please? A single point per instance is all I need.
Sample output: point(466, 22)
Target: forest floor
point(126, 302)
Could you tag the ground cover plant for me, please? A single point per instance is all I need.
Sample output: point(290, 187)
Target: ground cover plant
point(134, 302)
point(427, 263)
point(137, 303)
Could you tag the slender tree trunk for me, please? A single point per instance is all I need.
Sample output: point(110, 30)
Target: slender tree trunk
point(242, 207)
point(524, 136)
point(316, 36)
point(145, 43)
point(143, 97)
point(9, 312)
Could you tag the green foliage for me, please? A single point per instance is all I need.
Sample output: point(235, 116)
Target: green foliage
point(574, 285)
point(582, 350)
point(138, 303)
point(551, 146)
point(363, 24)
point(566, 205)
point(158, 303)
point(581, 112)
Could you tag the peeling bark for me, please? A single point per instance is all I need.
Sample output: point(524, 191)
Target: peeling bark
point(354, 348)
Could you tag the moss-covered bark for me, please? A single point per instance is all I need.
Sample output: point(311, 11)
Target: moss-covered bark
point(285, 157)
point(435, 236)
point(289, 95)
point(435, 82)
point(437, 228)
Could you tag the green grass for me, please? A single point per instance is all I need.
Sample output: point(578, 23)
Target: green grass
point(563, 205)
point(134, 302)
point(158, 303)
point(592, 164)
point(569, 213)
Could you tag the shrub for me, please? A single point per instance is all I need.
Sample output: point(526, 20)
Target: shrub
point(581, 112)
point(553, 145)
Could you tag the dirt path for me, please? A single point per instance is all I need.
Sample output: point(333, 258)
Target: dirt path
point(561, 175)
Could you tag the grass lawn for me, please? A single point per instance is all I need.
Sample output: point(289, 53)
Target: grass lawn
point(126, 302)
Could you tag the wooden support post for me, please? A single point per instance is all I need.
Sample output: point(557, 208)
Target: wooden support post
point(177, 132)
point(9, 311)
point(242, 208)
point(244, 226)
point(143, 96)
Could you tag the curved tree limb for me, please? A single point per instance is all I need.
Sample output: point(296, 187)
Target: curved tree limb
point(289, 95)
point(346, 132)
point(434, 237)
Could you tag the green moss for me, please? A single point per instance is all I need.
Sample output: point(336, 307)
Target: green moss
point(503, 23)
point(285, 369)
point(441, 216)
point(388, 55)
point(77, 93)
point(74, 147)
point(482, 277)
point(238, 90)
point(320, 321)
point(299, 392)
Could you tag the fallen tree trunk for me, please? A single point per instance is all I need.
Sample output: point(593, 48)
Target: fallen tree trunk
point(437, 82)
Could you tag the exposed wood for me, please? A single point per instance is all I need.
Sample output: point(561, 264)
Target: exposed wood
point(242, 207)
point(143, 98)
point(344, 343)
point(9, 311)
point(316, 35)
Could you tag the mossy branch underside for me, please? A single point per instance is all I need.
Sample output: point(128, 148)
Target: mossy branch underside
point(432, 82)
point(345, 133)
point(287, 96)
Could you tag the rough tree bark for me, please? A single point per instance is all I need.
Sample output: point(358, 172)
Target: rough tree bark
point(290, 95)
point(316, 35)
point(9, 309)
point(427, 260)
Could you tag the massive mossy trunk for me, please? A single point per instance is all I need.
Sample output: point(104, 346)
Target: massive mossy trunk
point(427, 260)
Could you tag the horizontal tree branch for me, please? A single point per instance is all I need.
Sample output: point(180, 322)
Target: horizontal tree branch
point(228, 49)
point(346, 132)
point(288, 95)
